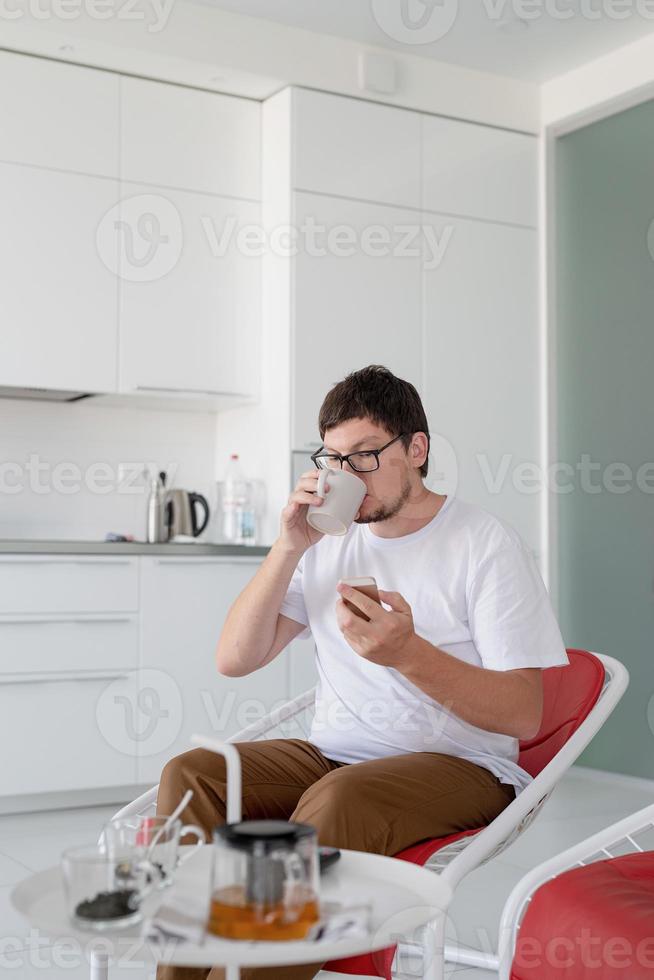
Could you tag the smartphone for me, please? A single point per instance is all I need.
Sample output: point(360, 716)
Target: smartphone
point(366, 585)
point(327, 856)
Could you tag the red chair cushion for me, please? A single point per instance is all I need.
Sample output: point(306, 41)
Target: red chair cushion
point(591, 923)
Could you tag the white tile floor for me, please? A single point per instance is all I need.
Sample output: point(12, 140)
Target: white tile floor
point(580, 806)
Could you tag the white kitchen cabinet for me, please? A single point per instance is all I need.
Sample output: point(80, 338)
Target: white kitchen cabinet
point(46, 643)
point(357, 300)
point(68, 583)
point(193, 323)
point(181, 137)
point(59, 298)
point(184, 603)
point(58, 116)
point(354, 148)
point(68, 665)
point(482, 385)
point(479, 171)
point(66, 731)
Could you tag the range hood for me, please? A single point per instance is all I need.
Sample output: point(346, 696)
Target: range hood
point(43, 394)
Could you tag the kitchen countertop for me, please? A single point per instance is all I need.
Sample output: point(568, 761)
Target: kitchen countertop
point(53, 547)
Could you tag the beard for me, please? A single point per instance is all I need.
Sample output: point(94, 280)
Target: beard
point(386, 511)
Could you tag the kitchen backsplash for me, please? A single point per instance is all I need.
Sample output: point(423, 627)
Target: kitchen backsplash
point(72, 470)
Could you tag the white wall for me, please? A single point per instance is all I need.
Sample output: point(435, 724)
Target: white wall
point(84, 434)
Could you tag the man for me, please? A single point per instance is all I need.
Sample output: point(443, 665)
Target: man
point(419, 710)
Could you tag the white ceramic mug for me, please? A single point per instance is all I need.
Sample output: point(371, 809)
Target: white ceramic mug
point(341, 504)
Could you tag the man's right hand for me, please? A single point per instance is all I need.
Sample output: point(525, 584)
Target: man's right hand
point(295, 534)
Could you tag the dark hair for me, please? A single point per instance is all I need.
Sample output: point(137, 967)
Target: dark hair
point(377, 394)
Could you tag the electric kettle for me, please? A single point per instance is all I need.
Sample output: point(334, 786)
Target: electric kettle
point(265, 880)
point(181, 516)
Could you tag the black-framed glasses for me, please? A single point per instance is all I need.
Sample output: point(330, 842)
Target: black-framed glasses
point(361, 462)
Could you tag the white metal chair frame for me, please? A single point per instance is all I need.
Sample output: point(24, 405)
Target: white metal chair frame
point(614, 841)
point(456, 860)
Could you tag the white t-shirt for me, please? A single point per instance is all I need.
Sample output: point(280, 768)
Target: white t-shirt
point(474, 590)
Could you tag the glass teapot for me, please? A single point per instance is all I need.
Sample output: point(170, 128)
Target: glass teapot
point(265, 880)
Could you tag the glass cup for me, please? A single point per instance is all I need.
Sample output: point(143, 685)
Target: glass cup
point(160, 844)
point(107, 888)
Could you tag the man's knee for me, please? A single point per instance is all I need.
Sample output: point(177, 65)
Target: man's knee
point(329, 803)
point(184, 769)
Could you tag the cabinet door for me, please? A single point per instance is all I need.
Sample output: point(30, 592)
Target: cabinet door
point(189, 315)
point(58, 116)
point(355, 304)
point(479, 171)
point(66, 732)
point(182, 137)
point(482, 365)
point(68, 583)
point(184, 604)
point(356, 148)
point(59, 298)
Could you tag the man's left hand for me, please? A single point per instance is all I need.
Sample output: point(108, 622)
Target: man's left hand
point(386, 639)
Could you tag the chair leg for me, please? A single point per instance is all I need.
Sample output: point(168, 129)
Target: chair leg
point(99, 965)
point(433, 963)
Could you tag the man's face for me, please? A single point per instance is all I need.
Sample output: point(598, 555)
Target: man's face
point(389, 487)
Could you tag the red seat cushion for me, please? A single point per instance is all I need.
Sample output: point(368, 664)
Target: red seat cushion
point(591, 923)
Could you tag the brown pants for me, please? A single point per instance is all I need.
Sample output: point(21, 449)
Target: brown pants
point(380, 806)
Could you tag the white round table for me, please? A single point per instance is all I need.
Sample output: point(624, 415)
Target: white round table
point(402, 896)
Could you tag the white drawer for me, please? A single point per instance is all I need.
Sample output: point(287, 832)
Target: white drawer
point(36, 643)
point(48, 583)
point(61, 734)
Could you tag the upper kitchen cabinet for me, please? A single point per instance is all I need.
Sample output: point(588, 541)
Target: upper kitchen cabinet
point(59, 295)
point(357, 299)
point(189, 294)
point(482, 384)
point(59, 116)
point(479, 171)
point(352, 148)
point(186, 138)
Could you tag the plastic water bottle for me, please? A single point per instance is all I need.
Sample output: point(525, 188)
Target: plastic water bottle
point(239, 523)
